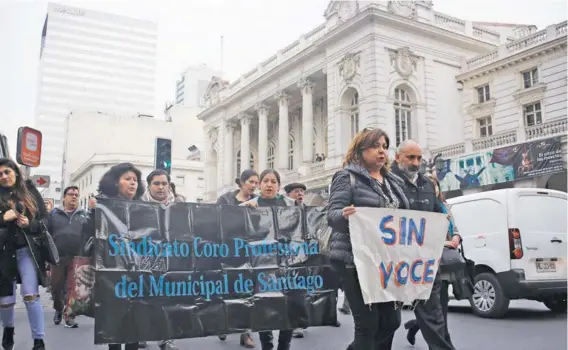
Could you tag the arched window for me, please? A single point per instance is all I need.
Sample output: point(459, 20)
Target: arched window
point(271, 157)
point(239, 163)
point(291, 147)
point(354, 115)
point(402, 115)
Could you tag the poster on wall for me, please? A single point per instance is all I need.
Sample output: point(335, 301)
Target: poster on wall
point(532, 158)
point(503, 164)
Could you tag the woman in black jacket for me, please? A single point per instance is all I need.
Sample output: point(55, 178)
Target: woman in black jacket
point(122, 181)
point(22, 215)
point(247, 182)
point(270, 197)
point(365, 181)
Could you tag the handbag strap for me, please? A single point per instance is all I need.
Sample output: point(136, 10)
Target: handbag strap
point(462, 250)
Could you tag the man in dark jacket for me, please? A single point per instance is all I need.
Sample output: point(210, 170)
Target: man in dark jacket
point(65, 225)
point(421, 194)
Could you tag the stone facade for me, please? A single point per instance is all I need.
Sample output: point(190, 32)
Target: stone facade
point(396, 65)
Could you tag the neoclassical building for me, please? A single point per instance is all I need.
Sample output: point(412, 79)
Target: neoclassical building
point(397, 65)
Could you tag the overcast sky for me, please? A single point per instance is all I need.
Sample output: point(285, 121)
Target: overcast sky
point(189, 32)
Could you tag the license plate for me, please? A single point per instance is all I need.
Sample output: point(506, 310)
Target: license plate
point(545, 266)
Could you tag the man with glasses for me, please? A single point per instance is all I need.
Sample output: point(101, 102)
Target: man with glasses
point(421, 194)
point(65, 224)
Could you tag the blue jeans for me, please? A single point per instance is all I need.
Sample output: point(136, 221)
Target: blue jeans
point(30, 294)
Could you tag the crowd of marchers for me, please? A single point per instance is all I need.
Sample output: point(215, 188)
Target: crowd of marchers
point(365, 180)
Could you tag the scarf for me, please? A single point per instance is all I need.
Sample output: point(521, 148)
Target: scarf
point(146, 197)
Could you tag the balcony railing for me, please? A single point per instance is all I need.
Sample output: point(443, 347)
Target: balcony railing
point(552, 128)
point(495, 141)
point(316, 167)
point(449, 151)
point(550, 33)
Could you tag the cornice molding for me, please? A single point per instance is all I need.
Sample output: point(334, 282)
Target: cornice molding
point(532, 94)
point(482, 109)
point(90, 164)
point(513, 60)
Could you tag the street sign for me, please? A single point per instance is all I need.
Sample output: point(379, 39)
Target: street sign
point(29, 147)
point(41, 181)
point(49, 204)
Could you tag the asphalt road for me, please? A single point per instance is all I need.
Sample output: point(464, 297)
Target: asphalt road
point(527, 326)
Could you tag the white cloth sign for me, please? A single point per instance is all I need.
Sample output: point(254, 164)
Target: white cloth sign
point(397, 252)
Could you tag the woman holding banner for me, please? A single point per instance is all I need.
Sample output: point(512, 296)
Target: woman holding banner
point(364, 181)
point(270, 197)
point(247, 182)
point(453, 241)
point(122, 181)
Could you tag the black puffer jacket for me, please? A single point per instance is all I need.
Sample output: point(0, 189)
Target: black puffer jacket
point(230, 198)
point(364, 193)
point(12, 238)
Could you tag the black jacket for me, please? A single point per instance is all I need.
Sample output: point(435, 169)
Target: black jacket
point(12, 238)
point(230, 198)
point(421, 196)
point(364, 193)
point(66, 229)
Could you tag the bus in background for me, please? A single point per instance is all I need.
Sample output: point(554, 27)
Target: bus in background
point(4, 152)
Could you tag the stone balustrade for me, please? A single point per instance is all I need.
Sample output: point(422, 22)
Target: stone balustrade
point(495, 141)
point(552, 128)
point(449, 151)
point(552, 32)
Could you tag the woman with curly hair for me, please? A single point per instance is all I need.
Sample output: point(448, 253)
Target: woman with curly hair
point(122, 181)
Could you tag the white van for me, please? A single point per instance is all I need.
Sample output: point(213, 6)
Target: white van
point(517, 239)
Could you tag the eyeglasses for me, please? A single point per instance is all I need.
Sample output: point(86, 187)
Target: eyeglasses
point(72, 194)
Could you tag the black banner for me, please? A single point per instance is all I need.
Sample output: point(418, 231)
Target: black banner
point(195, 270)
point(533, 158)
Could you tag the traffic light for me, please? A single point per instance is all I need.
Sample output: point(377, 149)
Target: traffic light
point(163, 158)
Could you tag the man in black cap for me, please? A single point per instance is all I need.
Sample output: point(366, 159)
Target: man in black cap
point(296, 191)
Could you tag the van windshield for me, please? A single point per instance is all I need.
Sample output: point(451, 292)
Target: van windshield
point(542, 213)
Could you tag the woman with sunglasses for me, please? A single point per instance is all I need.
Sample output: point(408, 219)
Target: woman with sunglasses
point(22, 215)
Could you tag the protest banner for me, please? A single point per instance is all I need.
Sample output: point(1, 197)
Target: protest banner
point(397, 252)
point(193, 270)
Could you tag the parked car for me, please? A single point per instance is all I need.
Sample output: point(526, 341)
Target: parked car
point(517, 238)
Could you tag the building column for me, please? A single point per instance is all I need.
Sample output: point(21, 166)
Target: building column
point(283, 99)
point(229, 162)
point(245, 140)
point(262, 110)
point(307, 88)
